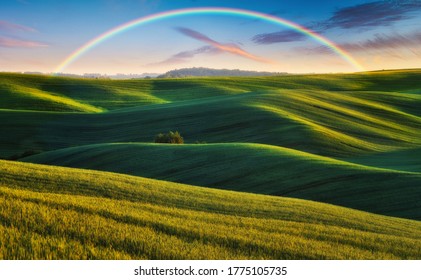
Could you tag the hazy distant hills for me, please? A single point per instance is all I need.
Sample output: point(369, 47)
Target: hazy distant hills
point(176, 73)
point(209, 72)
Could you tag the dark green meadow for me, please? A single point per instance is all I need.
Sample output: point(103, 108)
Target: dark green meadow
point(288, 167)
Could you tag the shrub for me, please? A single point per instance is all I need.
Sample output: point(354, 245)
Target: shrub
point(170, 137)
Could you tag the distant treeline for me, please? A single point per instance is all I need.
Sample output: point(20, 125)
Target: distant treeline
point(208, 72)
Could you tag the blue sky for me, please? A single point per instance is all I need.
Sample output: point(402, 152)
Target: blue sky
point(39, 35)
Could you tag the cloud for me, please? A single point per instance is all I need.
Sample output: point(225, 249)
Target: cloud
point(411, 41)
point(195, 35)
point(367, 15)
point(382, 41)
point(182, 57)
point(8, 26)
point(229, 48)
point(279, 37)
point(373, 14)
point(190, 54)
point(16, 43)
point(7, 42)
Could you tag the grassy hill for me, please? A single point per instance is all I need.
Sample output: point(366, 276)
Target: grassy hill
point(46, 93)
point(113, 94)
point(60, 213)
point(349, 140)
point(255, 168)
point(331, 115)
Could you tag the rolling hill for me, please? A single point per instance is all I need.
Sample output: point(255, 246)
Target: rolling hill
point(254, 168)
point(308, 113)
point(289, 167)
point(60, 213)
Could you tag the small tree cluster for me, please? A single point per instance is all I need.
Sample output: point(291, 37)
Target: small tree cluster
point(170, 137)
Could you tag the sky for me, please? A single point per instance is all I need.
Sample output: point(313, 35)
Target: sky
point(38, 36)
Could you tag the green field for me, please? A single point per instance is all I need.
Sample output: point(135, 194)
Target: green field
point(255, 168)
point(288, 167)
point(56, 212)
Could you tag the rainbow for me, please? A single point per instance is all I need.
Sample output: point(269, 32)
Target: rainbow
point(204, 11)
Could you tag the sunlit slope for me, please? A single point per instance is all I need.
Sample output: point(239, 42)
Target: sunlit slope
point(113, 94)
point(45, 93)
point(54, 212)
point(338, 124)
point(347, 122)
point(18, 97)
point(257, 169)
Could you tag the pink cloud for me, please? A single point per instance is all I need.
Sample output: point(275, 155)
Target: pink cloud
point(5, 25)
point(230, 48)
point(16, 43)
point(182, 57)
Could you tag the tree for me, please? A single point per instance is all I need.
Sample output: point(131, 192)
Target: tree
point(170, 137)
